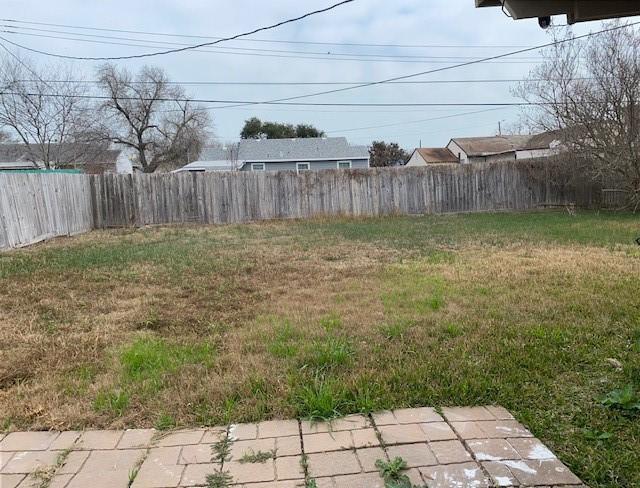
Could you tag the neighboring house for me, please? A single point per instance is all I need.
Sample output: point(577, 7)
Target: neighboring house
point(308, 154)
point(90, 159)
point(504, 148)
point(423, 156)
point(541, 146)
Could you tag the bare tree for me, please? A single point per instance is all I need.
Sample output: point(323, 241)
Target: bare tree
point(589, 92)
point(151, 116)
point(54, 120)
point(232, 151)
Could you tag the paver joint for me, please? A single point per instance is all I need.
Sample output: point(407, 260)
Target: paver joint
point(460, 446)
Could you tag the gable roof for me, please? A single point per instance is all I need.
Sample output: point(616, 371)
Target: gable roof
point(484, 146)
point(437, 155)
point(265, 150)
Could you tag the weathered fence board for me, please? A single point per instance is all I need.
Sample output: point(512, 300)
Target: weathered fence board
point(34, 207)
point(217, 198)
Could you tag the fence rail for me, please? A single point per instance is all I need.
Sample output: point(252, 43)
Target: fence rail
point(37, 206)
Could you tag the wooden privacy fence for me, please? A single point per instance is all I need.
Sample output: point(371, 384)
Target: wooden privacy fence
point(37, 206)
point(216, 198)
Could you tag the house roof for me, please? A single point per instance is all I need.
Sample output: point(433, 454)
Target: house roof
point(437, 155)
point(265, 150)
point(484, 146)
point(543, 140)
point(60, 153)
point(202, 165)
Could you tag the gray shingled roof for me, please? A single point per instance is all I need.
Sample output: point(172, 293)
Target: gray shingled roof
point(290, 149)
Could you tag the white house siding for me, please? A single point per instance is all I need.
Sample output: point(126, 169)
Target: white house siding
point(536, 153)
point(416, 160)
point(313, 165)
point(458, 152)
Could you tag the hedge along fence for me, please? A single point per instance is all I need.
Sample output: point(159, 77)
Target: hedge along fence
point(37, 206)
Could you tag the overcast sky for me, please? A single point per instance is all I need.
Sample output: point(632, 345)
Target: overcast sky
point(433, 22)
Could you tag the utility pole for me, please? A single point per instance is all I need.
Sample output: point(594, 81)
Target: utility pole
point(499, 127)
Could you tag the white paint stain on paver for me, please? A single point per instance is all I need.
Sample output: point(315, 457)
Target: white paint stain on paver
point(520, 466)
point(539, 451)
point(483, 456)
point(503, 481)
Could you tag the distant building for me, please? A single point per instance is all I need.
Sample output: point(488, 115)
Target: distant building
point(431, 155)
point(87, 158)
point(305, 154)
point(465, 150)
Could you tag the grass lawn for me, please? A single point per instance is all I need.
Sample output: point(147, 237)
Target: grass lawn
point(184, 326)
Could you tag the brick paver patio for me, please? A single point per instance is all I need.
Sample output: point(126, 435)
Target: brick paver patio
point(464, 447)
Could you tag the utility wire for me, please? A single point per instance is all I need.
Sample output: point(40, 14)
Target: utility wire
point(446, 68)
point(313, 56)
point(312, 83)
point(216, 49)
point(187, 48)
point(271, 41)
point(305, 104)
point(414, 121)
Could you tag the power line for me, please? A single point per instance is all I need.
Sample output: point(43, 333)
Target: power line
point(415, 121)
point(312, 56)
point(187, 48)
point(305, 104)
point(312, 83)
point(438, 70)
point(224, 48)
point(271, 41)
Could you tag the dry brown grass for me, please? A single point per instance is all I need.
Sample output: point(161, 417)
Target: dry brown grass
point(526, 323)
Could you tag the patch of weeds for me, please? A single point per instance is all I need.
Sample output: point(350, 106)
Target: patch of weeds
point(219, 480)
point(441, 257)
point(282, 345)
point(76, 382)
point(133, 472)
point(452, 330)
point(323, 356)
point(331, 323)
point(551, 335)
point(626, 399)
point(202, 410)
point(114, 402)
point(221, 450)
point(310, 484)
point(596, 435)
point(220, 453)
point(148, 360)
point(43, 476)
point(392, 473)
point(321, 400)
point(395, 330)
point(165, 422)
point(365, 397)
point(635, 340)
point(260, 457)
point(436, 302)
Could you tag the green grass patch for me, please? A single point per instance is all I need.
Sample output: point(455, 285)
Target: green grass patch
point(113, 402)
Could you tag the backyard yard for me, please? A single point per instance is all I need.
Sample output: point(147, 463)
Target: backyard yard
point(188, 326)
